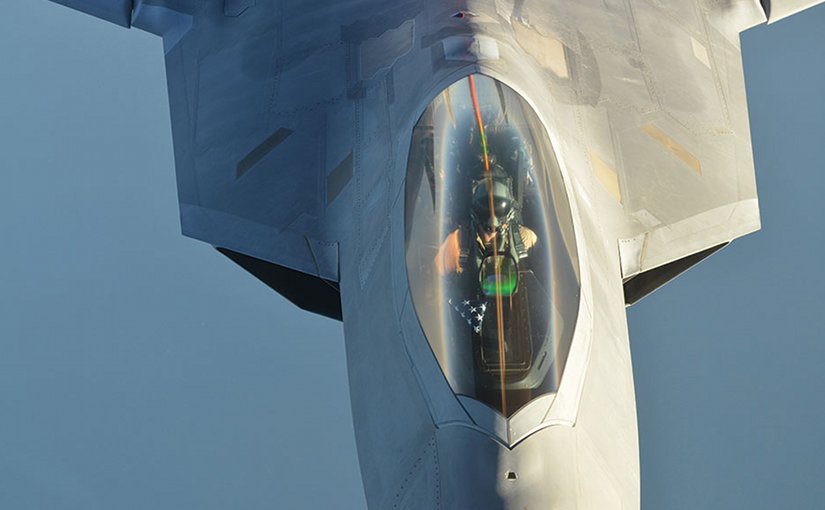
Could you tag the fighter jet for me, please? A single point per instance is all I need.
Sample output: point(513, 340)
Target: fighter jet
point(477, 189)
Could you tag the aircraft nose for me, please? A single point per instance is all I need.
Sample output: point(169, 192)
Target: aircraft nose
point(479, 473)
point(553, 469)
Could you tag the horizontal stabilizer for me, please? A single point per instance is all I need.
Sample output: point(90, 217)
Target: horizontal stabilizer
point(116, 11)
point(307, 292)
point(776, 10)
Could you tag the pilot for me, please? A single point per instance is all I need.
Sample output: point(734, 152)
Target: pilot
point(488, 230)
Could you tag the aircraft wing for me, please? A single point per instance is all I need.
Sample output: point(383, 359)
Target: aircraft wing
point(263, 97)
point(272, 121)
point(649, 113)
point(678, 156)
point(263, 117)
point(649, 97)
point(252, 100)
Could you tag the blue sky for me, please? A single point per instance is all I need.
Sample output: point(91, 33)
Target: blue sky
point(141, 369)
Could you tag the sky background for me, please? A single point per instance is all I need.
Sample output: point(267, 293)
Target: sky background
point(141, 369)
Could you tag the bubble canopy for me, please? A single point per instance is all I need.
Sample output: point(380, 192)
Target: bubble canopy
point(490, 247)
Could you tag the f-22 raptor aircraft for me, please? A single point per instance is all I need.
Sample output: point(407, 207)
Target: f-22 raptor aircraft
point(478, 189)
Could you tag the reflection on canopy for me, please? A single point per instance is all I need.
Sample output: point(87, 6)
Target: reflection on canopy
point(490, 252)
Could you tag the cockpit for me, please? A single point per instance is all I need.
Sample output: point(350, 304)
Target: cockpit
point(490, 249)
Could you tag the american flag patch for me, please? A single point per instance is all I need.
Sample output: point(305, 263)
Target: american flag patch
point(471, 310)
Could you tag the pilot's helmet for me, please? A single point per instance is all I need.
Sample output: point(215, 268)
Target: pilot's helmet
point(501, 199)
